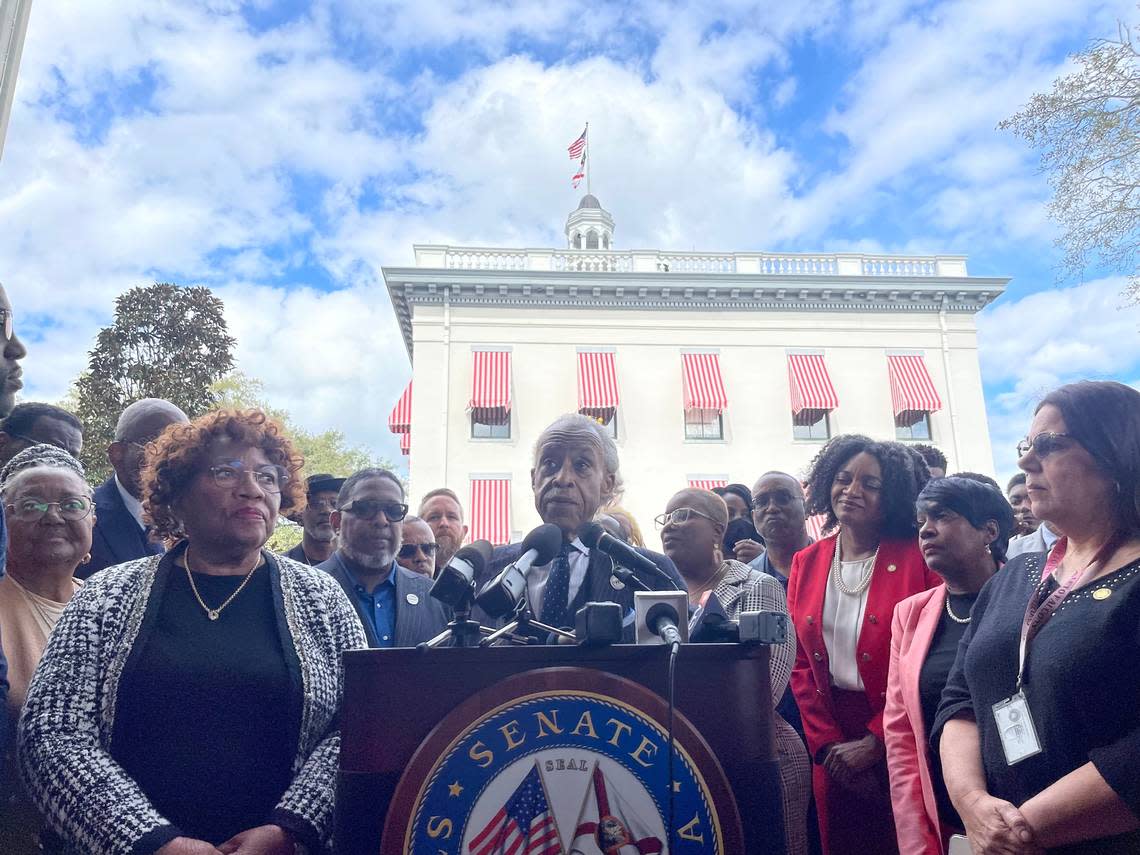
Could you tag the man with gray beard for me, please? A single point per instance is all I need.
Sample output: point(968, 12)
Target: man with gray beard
point(393, 603)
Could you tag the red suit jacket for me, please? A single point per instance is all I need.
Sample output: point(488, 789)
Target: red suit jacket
point(908, 753)
point(900, 571)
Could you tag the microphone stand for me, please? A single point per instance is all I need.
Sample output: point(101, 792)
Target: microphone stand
point(462, 631)
point(524, 620)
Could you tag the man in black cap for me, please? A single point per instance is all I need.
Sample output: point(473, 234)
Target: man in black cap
point(319, 540)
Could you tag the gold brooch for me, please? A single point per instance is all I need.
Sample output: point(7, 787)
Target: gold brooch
point(1102, 593)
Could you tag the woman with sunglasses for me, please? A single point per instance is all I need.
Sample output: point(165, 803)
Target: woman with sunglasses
point(1039, 725)
point(50, 517)
point(186, 703)
point(842, 592)
point(692, 530)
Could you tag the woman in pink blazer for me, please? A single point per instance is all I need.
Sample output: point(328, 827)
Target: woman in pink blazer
point(964, 528)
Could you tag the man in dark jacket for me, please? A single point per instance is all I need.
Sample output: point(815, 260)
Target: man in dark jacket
point(318, 542)
point(575, 473)
point(120, 533)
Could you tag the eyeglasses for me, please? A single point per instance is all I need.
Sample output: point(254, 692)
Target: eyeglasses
point(679, 516)
point(33, 510)
point(322, 504)
point(6, 314)
point(271, 479)
point(410, 549)
point(1044, 444)
point(366, 509)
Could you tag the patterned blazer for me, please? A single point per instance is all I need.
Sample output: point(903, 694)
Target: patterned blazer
point(67, 723)
point(419, 616)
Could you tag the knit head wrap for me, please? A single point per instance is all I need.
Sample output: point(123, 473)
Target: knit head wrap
point(49, 456)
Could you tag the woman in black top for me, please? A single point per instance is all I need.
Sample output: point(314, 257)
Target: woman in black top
point(964, 525)
point(186, 704)
point(1080, 792)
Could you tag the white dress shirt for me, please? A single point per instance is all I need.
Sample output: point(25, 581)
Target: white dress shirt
point(842, 620)
point(134, 506)
point(579, 559)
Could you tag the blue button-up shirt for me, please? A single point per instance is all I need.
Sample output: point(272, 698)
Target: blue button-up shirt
point(378, 606)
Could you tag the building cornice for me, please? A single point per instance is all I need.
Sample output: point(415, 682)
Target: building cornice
point(683, 292)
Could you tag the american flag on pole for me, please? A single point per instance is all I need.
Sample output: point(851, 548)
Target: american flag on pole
point(523, 826)
point(578, 146)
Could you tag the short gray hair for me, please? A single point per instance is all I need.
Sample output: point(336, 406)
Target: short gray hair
point(578, 422)
point(43, 456)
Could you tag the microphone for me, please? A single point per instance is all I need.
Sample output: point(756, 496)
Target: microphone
point(658, 615)
point(662, 621)
point(711, 623)
point(596, 537)
point(501, 595)
point(453, 583)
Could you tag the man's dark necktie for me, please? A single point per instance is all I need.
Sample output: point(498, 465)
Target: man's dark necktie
point(556, 594)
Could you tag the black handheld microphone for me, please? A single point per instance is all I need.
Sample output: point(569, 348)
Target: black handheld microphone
point(595, 537)
point(501, 595)
point(661, 619)
point(711, 623)
point(453, 582)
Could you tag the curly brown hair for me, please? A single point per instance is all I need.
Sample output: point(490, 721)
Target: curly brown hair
point(180, 453)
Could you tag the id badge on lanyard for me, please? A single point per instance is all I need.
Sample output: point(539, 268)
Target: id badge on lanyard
point(1014, 720)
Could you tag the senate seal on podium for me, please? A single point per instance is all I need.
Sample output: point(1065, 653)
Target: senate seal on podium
point(574, 771)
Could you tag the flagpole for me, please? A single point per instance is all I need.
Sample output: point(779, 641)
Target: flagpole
point(587, 132)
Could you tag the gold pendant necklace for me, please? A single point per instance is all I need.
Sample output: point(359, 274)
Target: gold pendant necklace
point(214, 614)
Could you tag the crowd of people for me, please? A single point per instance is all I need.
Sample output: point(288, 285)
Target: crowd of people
point(960, 662)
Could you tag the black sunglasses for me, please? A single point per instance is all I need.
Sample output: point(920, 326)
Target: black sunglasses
point(410, 549)
point(366, 509)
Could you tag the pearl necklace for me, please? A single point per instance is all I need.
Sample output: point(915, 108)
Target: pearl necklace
point(953, 616)
point(837, 572)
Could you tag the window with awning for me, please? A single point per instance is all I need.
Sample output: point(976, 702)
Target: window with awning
point(597, 385)
point(913, 396)
point(813, 396)
point(490, 403)
point(705, 398)
point(400, 419)
point(490, 509)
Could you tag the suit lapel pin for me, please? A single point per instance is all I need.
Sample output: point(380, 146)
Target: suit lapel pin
point(413, 599)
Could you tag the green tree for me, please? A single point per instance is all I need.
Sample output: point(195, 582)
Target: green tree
point(1087, 130)
point(327, 451)
point(166, 341)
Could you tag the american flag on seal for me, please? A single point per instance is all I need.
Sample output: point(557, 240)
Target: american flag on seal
point(523, 826)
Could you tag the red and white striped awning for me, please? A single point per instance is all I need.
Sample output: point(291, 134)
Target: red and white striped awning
point(405, 443)
point(704, 386)
point(708, 483)
point(815, 526)
point(810, 383)
point(912, 389)
point(597, 383)
point(490, 510)
point(491, 386)
point(400, 421)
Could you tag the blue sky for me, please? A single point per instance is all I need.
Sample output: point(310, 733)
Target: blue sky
point(282, 152)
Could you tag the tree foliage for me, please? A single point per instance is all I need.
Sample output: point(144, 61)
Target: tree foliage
point(166, 341)
point(327, 451)
point(1088, 133)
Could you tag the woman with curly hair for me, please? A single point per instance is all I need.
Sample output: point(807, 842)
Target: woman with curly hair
point(186, 703)
point(841, 594)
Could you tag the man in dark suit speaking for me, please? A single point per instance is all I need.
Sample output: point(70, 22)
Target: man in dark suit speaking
point(575, 473)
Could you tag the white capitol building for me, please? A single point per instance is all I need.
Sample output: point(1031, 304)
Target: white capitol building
point(708, 367)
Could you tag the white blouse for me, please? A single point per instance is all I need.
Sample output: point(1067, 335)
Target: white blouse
point(842, 619)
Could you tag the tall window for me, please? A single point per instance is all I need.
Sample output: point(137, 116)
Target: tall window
point(811, 424)
point(919, 430)
point(704, 424)
point(591, 240)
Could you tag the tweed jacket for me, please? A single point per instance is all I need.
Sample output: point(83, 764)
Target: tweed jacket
point(67, 724)
point(419, 616)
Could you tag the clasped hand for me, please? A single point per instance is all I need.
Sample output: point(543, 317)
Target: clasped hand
point(263, 840)
point(846, 761)
point(996, 827)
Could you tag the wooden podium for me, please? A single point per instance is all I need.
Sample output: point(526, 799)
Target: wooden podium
point(422, 730)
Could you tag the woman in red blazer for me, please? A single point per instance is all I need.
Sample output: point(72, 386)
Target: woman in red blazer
point(964, 528)
point(841, 595)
